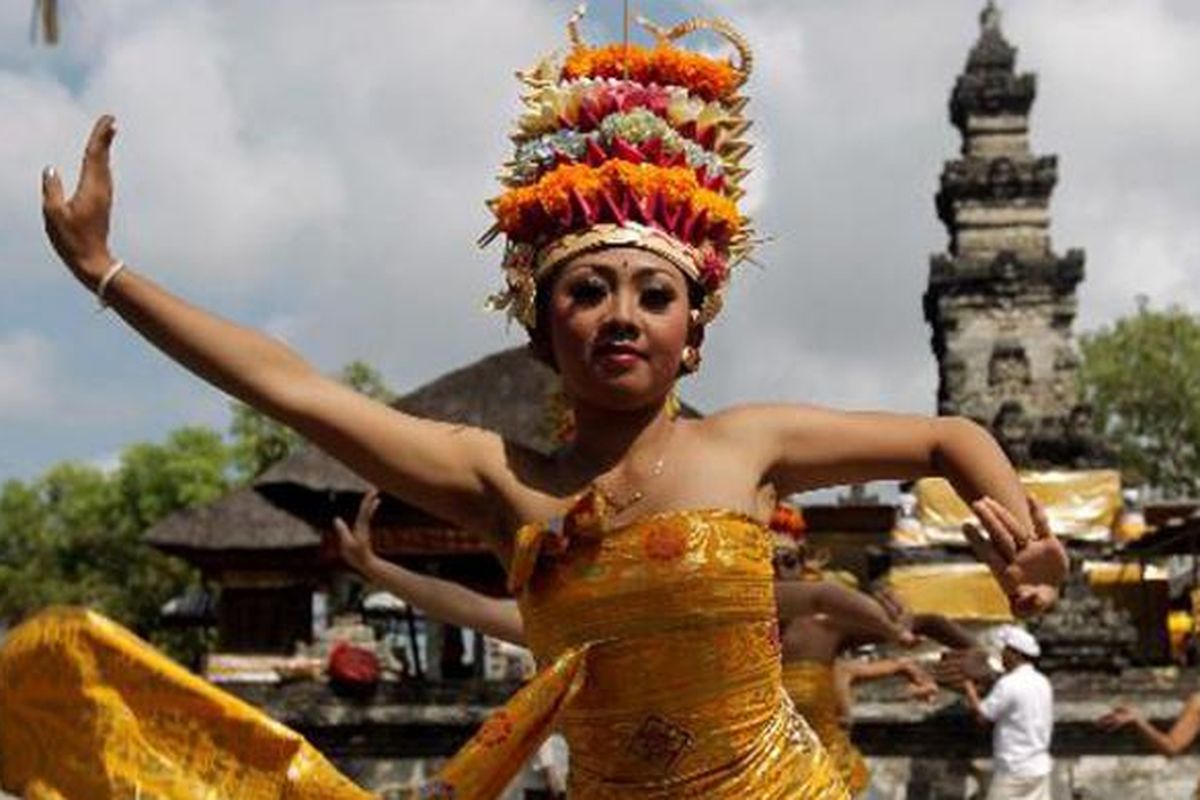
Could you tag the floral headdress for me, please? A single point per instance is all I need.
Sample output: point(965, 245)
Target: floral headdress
point(624, 145)
point(788, 521)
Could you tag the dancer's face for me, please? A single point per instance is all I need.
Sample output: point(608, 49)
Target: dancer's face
point(787, 564)
point(618, 322)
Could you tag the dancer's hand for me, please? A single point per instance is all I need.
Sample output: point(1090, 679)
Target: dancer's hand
point(921, 685)
point(1029, 565)
point(955, 667)
point(354, 544)
point(78, 226)
point(1119, 717)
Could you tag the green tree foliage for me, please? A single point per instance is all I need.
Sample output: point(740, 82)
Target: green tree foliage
point(1142, 375)
point(259, 441)
point(74, 535)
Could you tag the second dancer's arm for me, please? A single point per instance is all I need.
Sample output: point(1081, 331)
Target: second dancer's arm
point(445, 601)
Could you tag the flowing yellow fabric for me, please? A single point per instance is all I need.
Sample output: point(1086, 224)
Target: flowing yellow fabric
point(88, 710)
point(812, 687)
point(672, 684)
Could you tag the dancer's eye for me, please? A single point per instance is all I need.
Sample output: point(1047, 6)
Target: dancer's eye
point(588, 291)
point(657, 298)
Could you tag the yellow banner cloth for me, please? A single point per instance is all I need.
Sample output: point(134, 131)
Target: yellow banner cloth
point(967, 591)
point(663, 667)
point(960, 591)
point(88, 710)
point(812, 688)
point(1081, 505)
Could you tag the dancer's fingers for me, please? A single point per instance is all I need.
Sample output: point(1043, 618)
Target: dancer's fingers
point(1029, 601)
point(1041, 522)
point(53, 199)
point(366, 509)
point(999, 536)
point(986, 553)
point(96, 175)
point(1016, 528)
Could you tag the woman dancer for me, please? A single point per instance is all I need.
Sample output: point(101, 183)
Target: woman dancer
point(643, 578)
point(817, 682)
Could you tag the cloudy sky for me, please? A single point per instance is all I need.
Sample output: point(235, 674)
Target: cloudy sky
point(318, 170)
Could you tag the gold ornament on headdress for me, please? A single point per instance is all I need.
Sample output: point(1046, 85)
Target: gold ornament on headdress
point(626, 145)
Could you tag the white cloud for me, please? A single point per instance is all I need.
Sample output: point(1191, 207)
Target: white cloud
point(319, 170)
point(27, 375)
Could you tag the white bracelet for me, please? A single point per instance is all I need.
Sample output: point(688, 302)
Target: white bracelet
point(102, 287)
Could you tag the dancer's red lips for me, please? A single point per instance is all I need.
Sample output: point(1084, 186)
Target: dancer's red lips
point(618, 354)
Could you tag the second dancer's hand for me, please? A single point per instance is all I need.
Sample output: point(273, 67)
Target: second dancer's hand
point(354, 544)
point(1119, 717)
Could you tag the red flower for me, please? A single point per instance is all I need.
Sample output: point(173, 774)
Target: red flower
point(788, 520)
point(713, 270)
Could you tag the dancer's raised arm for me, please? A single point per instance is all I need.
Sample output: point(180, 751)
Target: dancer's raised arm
point(800, 448)
point(445, 469)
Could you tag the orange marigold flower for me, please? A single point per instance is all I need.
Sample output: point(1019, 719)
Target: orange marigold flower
point(706, 77)
point(665, 542)
point(718, 207)
point(678, 186)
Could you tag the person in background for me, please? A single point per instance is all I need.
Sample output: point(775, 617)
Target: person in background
point(1020, 709)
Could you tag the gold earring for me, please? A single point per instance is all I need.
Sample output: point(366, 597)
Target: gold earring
point(558, 417)
point(691, 358)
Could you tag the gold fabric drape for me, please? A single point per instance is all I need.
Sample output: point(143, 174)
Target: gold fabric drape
point(811, 685)
point(1081, 505)
point(88, 710)
point(662, 667)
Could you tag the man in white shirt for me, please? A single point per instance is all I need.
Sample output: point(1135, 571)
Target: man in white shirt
point(1020, 707)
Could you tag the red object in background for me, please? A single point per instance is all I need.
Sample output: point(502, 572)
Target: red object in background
point(789, 519)
point(353, 667)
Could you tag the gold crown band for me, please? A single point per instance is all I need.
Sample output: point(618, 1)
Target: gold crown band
point(605, 235)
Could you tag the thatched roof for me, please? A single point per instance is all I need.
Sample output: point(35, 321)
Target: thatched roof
point(244, 519)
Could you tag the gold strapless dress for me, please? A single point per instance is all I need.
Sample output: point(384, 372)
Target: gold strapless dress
point(661, 666)
point(88, 710)
point(812, 688)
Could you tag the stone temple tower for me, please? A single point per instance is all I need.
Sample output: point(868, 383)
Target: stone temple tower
point(1000, 301)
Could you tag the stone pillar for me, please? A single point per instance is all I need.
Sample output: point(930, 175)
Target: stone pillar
point(1000, 300)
